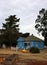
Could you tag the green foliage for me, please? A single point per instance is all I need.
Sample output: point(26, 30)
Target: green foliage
point(41, 23)
point(25, 35)
point(34, 50)
point(11, 30)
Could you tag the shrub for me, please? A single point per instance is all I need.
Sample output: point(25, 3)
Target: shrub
point(34, 50)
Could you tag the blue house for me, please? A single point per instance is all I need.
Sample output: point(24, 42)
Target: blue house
point(28, 42)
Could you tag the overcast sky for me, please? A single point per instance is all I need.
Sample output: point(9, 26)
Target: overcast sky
point(26, 10)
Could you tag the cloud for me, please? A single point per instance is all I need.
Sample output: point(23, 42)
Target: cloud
point(26, 10)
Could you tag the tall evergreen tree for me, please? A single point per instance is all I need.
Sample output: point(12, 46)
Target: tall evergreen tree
point(11, 30)
point(41, 24)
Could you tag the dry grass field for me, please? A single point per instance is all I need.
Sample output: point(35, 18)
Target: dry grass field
point(25, 58)
point(40, 56)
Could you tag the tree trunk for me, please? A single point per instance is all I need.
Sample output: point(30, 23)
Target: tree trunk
point(45, 40)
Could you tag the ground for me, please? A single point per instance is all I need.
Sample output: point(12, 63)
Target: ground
point(27, 58)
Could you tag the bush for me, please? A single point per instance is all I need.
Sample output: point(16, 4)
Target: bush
point(34, 50)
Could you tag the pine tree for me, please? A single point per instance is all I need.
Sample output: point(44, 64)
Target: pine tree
point(11, 30)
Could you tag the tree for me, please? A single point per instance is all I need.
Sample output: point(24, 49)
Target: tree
point(11, 30)
point(41, 24)
point(1, 37)
point(24, 34)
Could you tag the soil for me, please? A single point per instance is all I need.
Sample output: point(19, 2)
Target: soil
point(31, 62)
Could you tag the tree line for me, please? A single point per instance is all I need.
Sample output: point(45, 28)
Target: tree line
point(10, 29)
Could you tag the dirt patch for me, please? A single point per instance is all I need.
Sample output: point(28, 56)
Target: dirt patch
point(30, 62)
point(35, 62)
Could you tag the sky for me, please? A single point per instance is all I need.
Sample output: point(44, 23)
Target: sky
point(26, 10)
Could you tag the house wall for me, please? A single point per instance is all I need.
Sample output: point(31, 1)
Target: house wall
point(21, 44)
point(39, 44)
point(33, 43)
point(42, 45)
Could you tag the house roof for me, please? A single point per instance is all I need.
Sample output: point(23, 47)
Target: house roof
point(32, 38)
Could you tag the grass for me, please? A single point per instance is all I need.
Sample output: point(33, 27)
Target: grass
point(40, 56)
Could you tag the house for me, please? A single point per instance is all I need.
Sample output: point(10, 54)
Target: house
point(28, 42)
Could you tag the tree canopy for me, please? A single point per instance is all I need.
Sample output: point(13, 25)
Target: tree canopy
point(41, 23)
point(11, 30)
point(24, 34)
